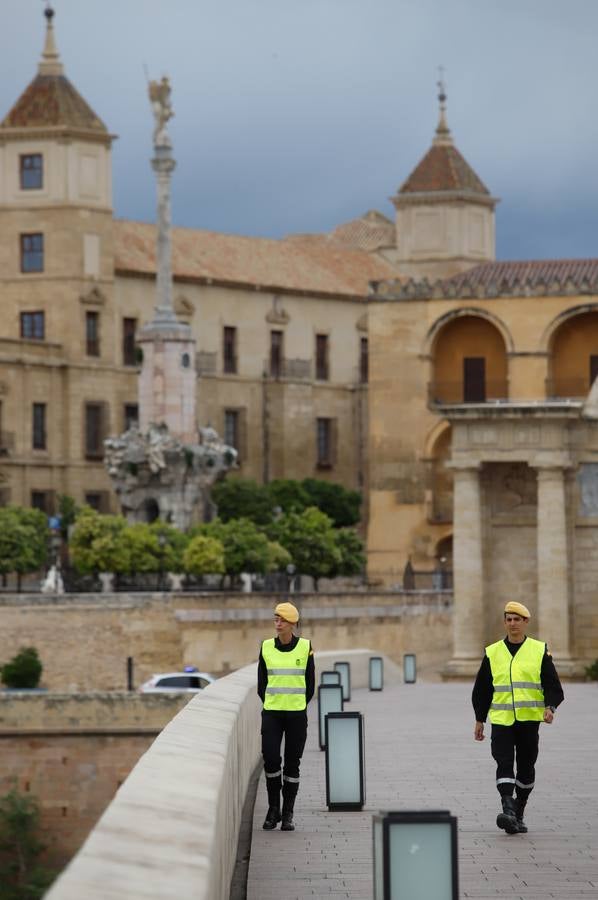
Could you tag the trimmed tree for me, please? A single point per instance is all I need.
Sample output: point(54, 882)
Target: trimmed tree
point(242, 498)
point(97, 543)
point(204, 555)
point(24, 537)
point(310, 539)
point(339, 504)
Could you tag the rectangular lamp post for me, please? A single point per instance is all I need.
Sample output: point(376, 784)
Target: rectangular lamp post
point(330, 699)
point(376, 676)
point(330, 677)
point(409, 668)
point(415, 856)
point(345, 672)
point(345, 762)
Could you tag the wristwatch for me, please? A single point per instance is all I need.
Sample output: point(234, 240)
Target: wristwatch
point(551, 708)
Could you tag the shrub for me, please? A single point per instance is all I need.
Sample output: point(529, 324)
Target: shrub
point(592, 671)
point(23, 670)
point(21, 875)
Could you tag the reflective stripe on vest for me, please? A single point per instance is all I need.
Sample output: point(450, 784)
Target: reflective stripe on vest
point(518, 694)
point(286, 683)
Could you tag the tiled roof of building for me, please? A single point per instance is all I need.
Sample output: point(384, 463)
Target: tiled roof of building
point(311, 266)
point(542, 277)
point(369, 232)
point(530, 273)
point(50, 101)
point(443, 168)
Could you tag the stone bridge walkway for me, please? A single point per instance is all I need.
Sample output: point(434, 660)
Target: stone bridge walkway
point(420, 753)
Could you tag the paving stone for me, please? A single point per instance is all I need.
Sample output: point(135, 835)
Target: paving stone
point(420, 754)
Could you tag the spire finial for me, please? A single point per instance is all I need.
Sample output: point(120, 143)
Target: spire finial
point(443, 133)
point(50, 62)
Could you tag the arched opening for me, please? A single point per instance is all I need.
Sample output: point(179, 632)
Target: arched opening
point(574, 357)
point(443, 569)
point(470, 362)
point(151, 510)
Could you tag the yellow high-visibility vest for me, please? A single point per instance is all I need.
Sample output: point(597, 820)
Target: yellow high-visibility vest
point(518, 694)
point(286, 676)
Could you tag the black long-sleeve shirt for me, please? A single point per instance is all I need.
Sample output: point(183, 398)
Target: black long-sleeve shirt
point(310, 672)
point(481, 696)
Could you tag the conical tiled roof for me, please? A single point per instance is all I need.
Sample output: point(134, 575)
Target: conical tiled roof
point(51, 101)
point(443, 168)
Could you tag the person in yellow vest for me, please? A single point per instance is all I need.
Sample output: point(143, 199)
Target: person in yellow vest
point(518, 687)
point(285, 683)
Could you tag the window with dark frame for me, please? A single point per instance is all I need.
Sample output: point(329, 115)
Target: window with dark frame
point(92, 333)
point(276, 357)
point(96, 499)
point(232, 428)
point(324, 448)
point(42, 500)
point(31, 171)
point(129, 348)
point(322, 369)
point(94, 430)
point(38, 441)
point(130, 415)
point(32, 253)
point(33, 325)
point(229, 349)
point(364, 369)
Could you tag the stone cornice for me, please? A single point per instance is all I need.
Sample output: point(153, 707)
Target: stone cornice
point(469, 289)
point(59, 133)
point(435, 198)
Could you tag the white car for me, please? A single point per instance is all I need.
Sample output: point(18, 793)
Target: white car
point(187, 682)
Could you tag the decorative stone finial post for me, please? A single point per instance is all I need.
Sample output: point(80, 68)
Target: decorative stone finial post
point(167, 385)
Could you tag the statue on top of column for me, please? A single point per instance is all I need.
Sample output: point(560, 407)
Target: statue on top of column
point(159, 94)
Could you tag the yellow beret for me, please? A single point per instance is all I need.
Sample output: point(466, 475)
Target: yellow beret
point(288, 612)
point(518, 608)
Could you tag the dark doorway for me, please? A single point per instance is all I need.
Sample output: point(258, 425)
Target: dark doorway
point(474, 379)
point(151, 510)
point(593, 368)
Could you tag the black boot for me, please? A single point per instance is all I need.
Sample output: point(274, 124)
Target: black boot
point(519, 807)
point(289, 792)
point(507, 819)
point(273, 785)
point(272, 818)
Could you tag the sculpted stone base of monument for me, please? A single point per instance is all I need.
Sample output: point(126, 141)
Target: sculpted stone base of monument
point(156, 476)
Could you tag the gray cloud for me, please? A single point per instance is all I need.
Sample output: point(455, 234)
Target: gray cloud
point(294, 115)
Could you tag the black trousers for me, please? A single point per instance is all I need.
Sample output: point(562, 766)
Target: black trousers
point(515, 745)
point(291, 726)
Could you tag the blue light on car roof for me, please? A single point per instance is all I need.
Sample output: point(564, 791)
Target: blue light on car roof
point(190, 669)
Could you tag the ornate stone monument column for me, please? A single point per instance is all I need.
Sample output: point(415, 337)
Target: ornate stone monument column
point(160, 470)
point(468, 590)
point(167, 385)
point(553, 563)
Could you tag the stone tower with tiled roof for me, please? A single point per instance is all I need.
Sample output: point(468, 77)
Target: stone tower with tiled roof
point(445, 213)
point(56, 227)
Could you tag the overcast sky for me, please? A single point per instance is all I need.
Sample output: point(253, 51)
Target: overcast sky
point(296, 115)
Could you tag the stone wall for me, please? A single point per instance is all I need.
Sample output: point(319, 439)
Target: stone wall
point(84, 641)
point(72, 752)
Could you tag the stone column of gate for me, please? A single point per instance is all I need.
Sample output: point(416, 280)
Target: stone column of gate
point(468, 585)
point(553, 562)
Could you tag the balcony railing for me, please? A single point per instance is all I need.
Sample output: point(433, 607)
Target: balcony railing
point(295, 369)
point(441, 393)
point(567, 388)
